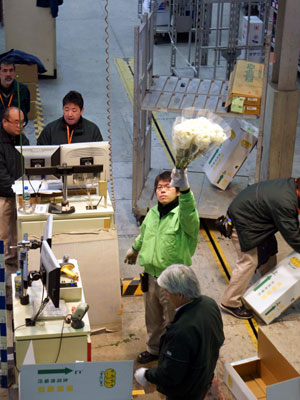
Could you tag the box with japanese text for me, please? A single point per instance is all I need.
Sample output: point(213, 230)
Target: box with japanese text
point(225, 161)
point(245, 87)
point(274, 292)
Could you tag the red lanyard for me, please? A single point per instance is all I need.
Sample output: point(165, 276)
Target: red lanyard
point(69, 135)
point(9, 102)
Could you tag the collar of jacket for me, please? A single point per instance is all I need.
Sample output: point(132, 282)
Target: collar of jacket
point(187, 306)
point(7, 91)
point(78, 129)
point(164, 210)
point(11, 139)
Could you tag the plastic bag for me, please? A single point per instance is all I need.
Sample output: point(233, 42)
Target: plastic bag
point(195, 133)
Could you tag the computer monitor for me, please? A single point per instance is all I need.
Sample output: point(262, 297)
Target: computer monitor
point(47, 234)
point(50, 273)
point(37, 156)
point(90, 153)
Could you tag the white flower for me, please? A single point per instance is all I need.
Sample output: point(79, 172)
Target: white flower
point(193, 137)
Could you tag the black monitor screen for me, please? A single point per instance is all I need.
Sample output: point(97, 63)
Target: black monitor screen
point(50, 273)
point(37, 156)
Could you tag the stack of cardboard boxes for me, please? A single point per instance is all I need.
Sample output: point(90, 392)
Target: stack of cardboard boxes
point(28, 74)
point(245, 88)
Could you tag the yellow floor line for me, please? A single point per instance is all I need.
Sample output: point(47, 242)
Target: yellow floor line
point(247, 325)
point(124, 67)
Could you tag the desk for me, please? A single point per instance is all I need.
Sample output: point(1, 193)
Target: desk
point(91, 238)
point(45, 335)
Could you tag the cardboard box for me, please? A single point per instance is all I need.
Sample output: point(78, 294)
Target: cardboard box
point(32, 89)
point(268, 376)
point(27, 73)
point(32, 112)
point(225, 161)
point(274, 292)
point(256, 27)
point(245, 86)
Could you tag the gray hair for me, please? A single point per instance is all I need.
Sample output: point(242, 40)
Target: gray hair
point(180, 279)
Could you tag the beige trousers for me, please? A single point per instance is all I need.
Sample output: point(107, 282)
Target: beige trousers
point(158, 312)
point(8, 233)
point(246, 264)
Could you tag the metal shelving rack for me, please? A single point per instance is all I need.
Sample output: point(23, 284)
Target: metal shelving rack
point(215, 27)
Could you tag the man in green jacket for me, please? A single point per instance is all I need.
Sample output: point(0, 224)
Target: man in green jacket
point(71, 127)
point(169, 235)
point(257, 213)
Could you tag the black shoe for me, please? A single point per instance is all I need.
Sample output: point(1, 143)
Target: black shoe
point(146, 357)
point(238, 312)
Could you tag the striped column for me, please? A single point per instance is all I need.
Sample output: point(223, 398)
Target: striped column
point(3, 335)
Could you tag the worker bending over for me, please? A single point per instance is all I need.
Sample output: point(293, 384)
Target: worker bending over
point(169, 235)
point(190, 347)
point(71, 127)
point(257, 213)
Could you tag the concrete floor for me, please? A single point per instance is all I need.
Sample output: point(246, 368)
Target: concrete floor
point(81, 66)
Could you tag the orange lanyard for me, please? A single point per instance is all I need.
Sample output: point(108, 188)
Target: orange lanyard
point(9, 102)
point(69, 135)
point(298, 193)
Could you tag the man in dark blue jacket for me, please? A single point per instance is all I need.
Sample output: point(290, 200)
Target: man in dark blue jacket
point(9, 138)
point(189, 350)
point(9, 90)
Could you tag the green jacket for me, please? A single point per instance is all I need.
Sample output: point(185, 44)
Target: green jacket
point(169, 240)
point(55, 133)
point(263, 209)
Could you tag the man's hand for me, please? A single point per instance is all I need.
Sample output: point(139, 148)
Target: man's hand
point(140, 376)
point(180, 179)
point(131, 256)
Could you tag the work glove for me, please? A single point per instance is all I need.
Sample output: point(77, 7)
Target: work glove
point(180, 179)
point(140, 376)
point(131, 256)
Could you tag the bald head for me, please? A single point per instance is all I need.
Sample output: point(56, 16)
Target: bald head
point(11, 121)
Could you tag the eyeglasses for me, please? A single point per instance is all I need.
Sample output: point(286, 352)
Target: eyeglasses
point(17, 123)
point(165, 187)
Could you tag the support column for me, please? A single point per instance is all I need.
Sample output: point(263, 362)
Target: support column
point(282, 101)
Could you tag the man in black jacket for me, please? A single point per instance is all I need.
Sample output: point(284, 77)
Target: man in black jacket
point(189, 350)
point(9, 138)
point(8, 90)
point(72, 127)
point(257, 213)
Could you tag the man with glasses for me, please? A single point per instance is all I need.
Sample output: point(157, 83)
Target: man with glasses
point(169, 235)
point(9, 92)
point(10, 136)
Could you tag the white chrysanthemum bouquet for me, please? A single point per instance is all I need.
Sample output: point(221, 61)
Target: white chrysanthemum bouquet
point(195, 133)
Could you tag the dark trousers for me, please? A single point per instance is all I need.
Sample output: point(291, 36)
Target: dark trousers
point(200, 397)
